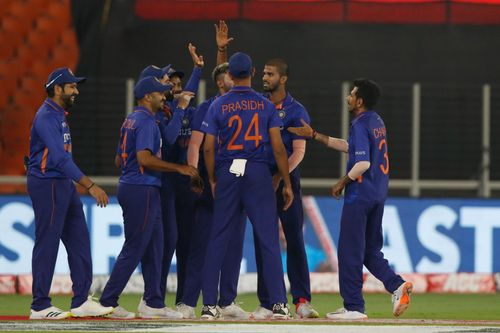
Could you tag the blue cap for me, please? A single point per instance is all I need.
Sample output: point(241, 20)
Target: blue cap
point(148, 85)
point(154, 71)
point(172, 72)
point(240, 65)
point(62, 75)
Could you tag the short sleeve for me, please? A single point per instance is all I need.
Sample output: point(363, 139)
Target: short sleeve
point(209, 124)
point(198, 117)
point(274, 119)
point(145, 138)
point(361, 143)
point(301, 114)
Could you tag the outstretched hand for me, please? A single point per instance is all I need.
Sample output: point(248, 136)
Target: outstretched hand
point(197, 59)
point(305, 131)
point(221, 35)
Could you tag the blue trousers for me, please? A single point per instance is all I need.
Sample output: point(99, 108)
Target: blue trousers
point(253, 193)
point(58, 216)
point(185, 201)
point(292, 221)
point(360, 243)
point(198, 245)
point(170, 231)
point(143, 243)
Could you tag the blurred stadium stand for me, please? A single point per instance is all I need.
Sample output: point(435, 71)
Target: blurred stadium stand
point(449, 47)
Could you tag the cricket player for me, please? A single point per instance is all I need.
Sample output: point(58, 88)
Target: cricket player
point(203, 221)
point(139, 196)
point(246, 125)
point(57, 205)
point(290, 111)
point(366, 186)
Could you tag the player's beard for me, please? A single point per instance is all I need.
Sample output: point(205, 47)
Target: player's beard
point(269, 87)
point(68, 100)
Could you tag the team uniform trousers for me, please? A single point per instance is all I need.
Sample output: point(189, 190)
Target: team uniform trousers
point(170, 230)
point(253, 193)
point(58, 216)
point(143, 243)
point(292, 221)
point(230, 270)
point(360, 243)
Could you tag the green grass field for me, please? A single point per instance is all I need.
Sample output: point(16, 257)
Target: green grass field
point(423, 306)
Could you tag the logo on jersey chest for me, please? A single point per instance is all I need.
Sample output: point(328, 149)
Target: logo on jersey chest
point(281, 113)
point(185, 122)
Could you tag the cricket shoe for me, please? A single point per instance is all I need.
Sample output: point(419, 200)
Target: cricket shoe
point(148, 312)
point(304, 309)
point(209, 312)
point(261, 313)
point(186, 310)
point(51, 313)
point(344, 314)
point(401, 298)
point(91, 308)
point(233, 311)
point(121, 313)
point(281, 311)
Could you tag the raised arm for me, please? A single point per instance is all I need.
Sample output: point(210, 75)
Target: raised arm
point(222, 39)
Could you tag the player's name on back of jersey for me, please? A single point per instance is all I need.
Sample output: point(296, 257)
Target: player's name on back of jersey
point(243, 105)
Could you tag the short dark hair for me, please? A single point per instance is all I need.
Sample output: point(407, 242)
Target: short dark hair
point(50, 90)
point(280, 64)
point(368, 90)
point(218, 70)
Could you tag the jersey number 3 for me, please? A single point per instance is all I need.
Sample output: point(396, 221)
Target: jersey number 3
point(384, 168)
point(253, 127)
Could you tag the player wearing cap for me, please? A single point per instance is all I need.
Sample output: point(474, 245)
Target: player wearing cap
point(175, 127)
point(57, 205)
point(139, 196)
point(366, 185)
point(203, 212)
point(275, 77)
point(244, 123)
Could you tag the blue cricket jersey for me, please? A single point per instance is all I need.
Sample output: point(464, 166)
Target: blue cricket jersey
point(139, 132)
point(368, 142)
point(50, 144)
point(290, 112)
point(241, 119)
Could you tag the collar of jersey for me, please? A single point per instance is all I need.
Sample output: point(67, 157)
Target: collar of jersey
point(361, 115)
point(54, 105)
point(241, 88)
point(145, 110)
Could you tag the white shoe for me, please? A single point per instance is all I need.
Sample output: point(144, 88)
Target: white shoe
point(261, 313)
point(233, 311)
point(146, 311)
point(186, 310)
point(401, 298)
point(305, 310)
point(343, 314)
point(51, 313)
point(209, 312)
point(281, 311)
point(121, 313)
point(91, 308)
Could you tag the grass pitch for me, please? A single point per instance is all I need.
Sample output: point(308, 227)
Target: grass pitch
point(423, 306)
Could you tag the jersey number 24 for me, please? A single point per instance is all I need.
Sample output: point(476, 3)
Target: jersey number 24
point(253, 127)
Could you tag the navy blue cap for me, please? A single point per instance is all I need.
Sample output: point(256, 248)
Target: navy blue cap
point(62, 75)
point(240, 65)
point(155, 71)
point(148, 85)
point(172, 72)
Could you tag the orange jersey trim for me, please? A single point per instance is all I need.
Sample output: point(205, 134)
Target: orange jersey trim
point(44, 159)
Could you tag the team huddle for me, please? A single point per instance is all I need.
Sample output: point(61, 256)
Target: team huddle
point(190, 178)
